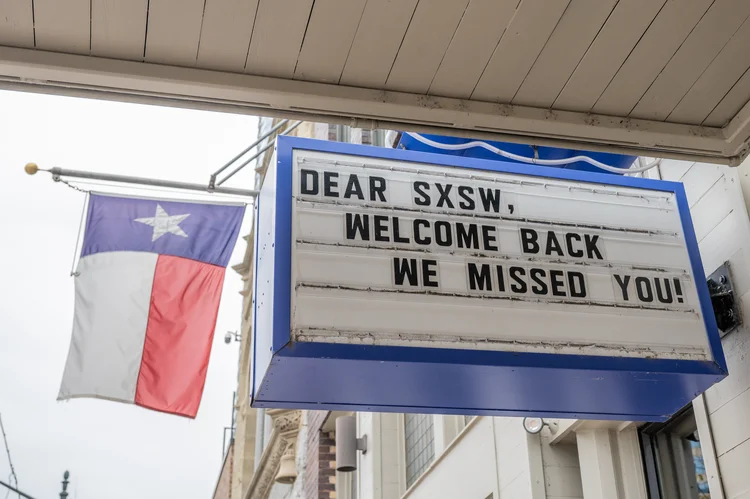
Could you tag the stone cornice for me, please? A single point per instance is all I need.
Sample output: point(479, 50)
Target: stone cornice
point(278, 462)
point(287, 423)
point(268, 467)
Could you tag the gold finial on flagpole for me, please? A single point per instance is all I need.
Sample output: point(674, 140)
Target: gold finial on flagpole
point(31, 168)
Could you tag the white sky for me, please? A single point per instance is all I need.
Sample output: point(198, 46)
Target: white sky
point(112, 450)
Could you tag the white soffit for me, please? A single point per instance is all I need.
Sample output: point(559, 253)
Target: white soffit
point(665, 78)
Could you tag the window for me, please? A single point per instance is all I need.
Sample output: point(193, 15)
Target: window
point(374, 137)
point(673, 458)
point(378, 137)
point(339, 133)
point(419, 438)
point(367, 137)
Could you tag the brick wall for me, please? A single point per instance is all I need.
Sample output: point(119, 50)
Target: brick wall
point(320, 469)
point(327, 466)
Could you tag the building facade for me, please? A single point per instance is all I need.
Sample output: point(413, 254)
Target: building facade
point(702, 452)
point(283, 453)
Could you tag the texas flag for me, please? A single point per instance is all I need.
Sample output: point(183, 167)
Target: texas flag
point(147, 293)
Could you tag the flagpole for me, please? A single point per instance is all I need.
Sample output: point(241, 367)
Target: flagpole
point(58, 173)
point(13, 489)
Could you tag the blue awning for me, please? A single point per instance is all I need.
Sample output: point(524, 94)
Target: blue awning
point(411, 142)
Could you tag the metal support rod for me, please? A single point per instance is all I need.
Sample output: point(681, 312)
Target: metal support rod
point(261, 151)
point(12, 489)
point(278, 125)
point(31, 169)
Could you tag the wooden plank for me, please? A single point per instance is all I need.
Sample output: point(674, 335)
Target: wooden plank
point(563, 482)
point(740, 269)
point(628, 21)
point(692, 58)
point(699, 179)
point(381, 30)
point(277, 37)
point(711, 208)
point(598, 465)
point(705, 435)
point(174, 30)
point(559, 456)
point(63, 26)
point(16, 23)
point(731, 104)
point(736, 350)
point(330, 33)
point(478, 33)
point(719, 246)
point(729, 423)
point(734, 471)
point(225, 34)
point(427, 38)
point(536, 467)
point(573, 35)
point(661, 40)
point(519, 47)
point(565, 433)
point(118, 28)
point(631, 464)
point(716, 81)
point(674, 170)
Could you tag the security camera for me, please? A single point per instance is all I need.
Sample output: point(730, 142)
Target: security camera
point(231, 334)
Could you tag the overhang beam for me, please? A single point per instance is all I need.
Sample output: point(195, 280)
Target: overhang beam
point(85, 76)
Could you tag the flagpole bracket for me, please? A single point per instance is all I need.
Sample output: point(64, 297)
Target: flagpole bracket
point(59, 173)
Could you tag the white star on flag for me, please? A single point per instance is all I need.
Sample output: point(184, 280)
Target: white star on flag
point(163, 223)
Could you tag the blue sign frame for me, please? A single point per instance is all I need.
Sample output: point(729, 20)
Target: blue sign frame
point(305, 375)
point(410, 143)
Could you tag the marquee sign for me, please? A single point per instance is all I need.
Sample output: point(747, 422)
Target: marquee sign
point(394, 280)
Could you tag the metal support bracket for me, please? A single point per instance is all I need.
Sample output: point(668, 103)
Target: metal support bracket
point(362, 444)
point(723, 300)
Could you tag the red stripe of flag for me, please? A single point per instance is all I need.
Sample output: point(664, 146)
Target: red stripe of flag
point(181, 321)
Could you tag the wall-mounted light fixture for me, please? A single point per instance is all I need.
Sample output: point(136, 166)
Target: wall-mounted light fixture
point(536, 425)
point(347, 443)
